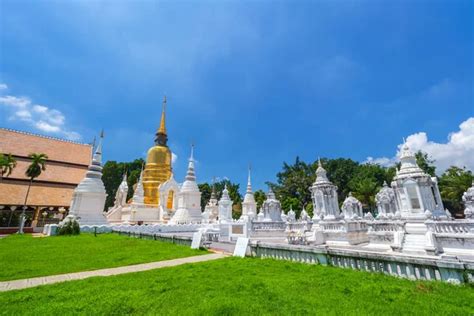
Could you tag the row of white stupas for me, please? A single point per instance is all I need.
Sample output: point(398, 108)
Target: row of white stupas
point(410, 215)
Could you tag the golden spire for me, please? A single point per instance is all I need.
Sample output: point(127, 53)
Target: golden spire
point(162, 129)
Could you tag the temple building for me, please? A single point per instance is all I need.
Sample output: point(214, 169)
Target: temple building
point(51, 193)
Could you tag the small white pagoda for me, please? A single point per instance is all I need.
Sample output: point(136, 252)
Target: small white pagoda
point(324, 195)
point(330, 226)
point(225, 206)
point(88, 199)
point(189, 198)
point(249, 206)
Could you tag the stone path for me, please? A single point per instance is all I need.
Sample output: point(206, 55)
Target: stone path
point(27, 283)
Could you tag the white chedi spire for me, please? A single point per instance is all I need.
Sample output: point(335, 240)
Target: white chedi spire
point(468, 200)
point(225, 206)
point(138, 195)
point(352, 208)
point(190, 184)
point(321, 174)
point(122, 192)
point(249, 206)
point(92, 182)
point(408, 166)
point(189, 200)
point(88, 199)
point(324, 196)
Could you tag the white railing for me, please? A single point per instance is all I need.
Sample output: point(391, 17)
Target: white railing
point(333, 227)
point(452, 227)
point(385, 227)
point(256, 226)
point(299, 226)
point(157, 228)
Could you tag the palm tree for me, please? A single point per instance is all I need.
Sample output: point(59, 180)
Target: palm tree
point(38, 164)
point(7, 164)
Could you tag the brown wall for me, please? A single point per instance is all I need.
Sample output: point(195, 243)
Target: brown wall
point(55, 172)
point(41, 194)
point(23, 144)
point(66, 166)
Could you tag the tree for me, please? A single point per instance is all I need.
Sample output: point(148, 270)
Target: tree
point(7, 164)
point(364, 190)
point(260, 197)
point(234, 194)
point(38, 164)
point(293, 183)
point(340, 172)
point(425, 163)
point(452, 184)
point(112, 175)
point(206, 191)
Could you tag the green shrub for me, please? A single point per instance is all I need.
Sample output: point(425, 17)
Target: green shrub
point(70, 227)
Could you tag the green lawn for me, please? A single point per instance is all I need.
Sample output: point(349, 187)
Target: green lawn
point(250, 286)
point(25, 257)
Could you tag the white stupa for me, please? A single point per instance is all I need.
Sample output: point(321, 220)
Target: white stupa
point(122, 191)
point(324, 194)
point(249, 206)
point(225, 206)
point(88, 199)
point(189, 200)
point(139, 194)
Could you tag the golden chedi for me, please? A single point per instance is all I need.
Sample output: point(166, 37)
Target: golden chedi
point(158, 163)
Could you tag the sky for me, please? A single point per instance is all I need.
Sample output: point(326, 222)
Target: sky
point(248, 82)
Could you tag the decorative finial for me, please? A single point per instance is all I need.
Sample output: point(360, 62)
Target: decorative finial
point(319, 162)
point(102, 133)
point(192, 151)
point(162, 129)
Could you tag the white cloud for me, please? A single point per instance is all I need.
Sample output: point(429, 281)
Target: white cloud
point(383, 161)
point(46, 127)
point(3, 86)
point(18, 102)
point(174, 158)
point(40, 117)
point(457, 151)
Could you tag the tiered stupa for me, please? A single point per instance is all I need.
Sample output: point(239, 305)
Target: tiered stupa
point(158, 163)
point(225, 206)
point(324, 195)
point(249, 206)
point(139, 194)
point(211, 211)
point(417, 193)
point(468, 200)
point(272, 208)
point(88, 199)
point(155, 198)
point(189, 200)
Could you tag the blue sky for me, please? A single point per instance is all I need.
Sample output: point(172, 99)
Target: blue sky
point(255, 82)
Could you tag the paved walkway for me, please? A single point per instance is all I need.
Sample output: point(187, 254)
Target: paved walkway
point(27, 283)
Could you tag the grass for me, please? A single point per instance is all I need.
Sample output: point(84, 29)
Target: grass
point(25, 257)
point(249, 286)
